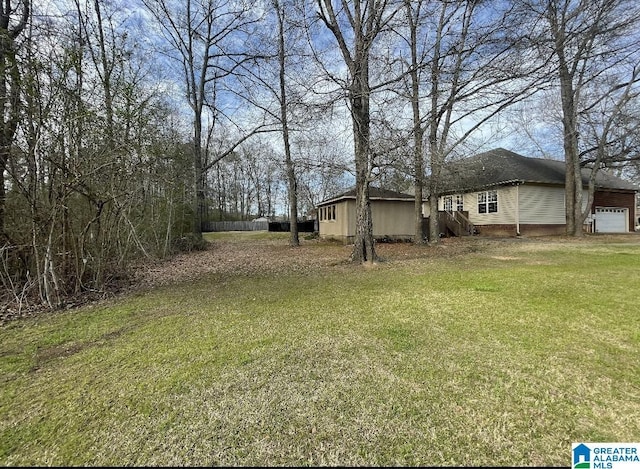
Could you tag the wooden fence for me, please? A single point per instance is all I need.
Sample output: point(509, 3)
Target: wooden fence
point(304, 226)
point(235, 226)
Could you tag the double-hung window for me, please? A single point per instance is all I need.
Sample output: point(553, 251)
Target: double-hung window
point(488, 202)
point(451, 202)
point(459, 203)
point(448, 203)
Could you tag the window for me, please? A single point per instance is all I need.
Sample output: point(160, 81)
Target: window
point(488, 202)
point(328, 213)
point(448, 203)
point(459, 203)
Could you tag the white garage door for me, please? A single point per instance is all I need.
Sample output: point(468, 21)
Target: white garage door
point(611, 220)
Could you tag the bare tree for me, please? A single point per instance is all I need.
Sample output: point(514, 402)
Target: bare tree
point(88, 188)
point(595, 49)
point(292, 185)
point(414, 15)
point(466, 66)
point(204, 37)
point(13, 20)
point(355, 26)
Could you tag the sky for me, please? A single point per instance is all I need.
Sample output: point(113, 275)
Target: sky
point(525, 128)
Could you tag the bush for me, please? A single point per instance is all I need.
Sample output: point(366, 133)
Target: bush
point(189, 242)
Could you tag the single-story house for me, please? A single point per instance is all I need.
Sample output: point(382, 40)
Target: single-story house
point(506, 193)
point(498, 192)
point(392, 215)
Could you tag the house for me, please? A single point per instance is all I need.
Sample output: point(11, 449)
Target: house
point(505, 193)
point(392, 215)
point(498, 192)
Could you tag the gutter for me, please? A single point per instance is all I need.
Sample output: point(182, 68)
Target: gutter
point(353, 197)
point(512, 182)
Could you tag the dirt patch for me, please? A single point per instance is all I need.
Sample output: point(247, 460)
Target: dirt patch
point(273, 257)
point(44, 355)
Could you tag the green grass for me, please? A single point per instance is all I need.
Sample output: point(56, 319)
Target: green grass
point(482, 359)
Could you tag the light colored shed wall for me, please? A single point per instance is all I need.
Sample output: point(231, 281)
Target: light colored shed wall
point(350, 218)
point(390, 218)
point(340, 226)
point(393, 218)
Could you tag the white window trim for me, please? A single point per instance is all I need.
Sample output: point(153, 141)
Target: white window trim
point(487, 201)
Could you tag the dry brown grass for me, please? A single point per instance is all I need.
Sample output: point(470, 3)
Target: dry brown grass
point(245, 254)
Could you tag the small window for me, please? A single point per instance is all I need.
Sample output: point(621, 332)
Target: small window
point(488, 202)
point(459, 203)
point(328, 213)
point(492, 197)
point(482, 202)
point(448, 203)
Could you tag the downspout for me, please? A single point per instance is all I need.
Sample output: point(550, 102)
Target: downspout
point(517, 209)
point(635, 212)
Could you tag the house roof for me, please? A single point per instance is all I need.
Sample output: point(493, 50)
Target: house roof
point(501, 167)
point(375, 193)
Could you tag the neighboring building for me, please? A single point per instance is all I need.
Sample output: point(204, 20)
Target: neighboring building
point(506, 193)
point(494, 193)
point(392, 215)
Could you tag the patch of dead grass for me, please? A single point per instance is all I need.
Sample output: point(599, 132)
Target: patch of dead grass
point(252, 255)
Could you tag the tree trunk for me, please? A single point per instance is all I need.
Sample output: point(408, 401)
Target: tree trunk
point(363, 246)
point(436, 160)
point(199, 207)
point(418, 130)
point(3, 197)
point(10, 86)
point(291, 176)
point(573, 177)
point(434, 228)
point(364, 20)
point(363, 249)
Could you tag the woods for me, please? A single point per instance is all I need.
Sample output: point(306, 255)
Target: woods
point(127, 125)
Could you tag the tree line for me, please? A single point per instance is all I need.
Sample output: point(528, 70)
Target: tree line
point(127, 125)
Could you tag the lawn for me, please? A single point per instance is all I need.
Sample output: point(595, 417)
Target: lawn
point(497, 354)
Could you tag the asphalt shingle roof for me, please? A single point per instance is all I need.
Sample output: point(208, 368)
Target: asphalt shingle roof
point(374, 193)
point(500, 166)
point(494, 168)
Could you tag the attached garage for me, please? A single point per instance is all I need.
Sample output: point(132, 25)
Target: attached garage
point(611, 220)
